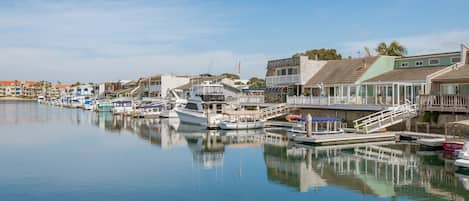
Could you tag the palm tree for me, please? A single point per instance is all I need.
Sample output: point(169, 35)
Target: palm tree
point(393, 49)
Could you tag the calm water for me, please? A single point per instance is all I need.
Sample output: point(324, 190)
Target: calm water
point(50, 153)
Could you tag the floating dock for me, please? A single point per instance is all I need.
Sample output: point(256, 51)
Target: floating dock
point(346, 138)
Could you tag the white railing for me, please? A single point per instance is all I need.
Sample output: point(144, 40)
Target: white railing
point(385, 118)
point(251, 99)
point(342, 100)
point(274, 111)
point(282, 79)
point(325, 100)
point(444, 103)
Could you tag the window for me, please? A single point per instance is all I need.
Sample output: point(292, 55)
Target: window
point(282, 72)
point(405, 64)
point(419, 63)
point(455, 59)
point(292, 71)
point(191, 106)
point(434, 61)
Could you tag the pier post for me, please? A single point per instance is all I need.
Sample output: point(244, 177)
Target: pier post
point(309, 122)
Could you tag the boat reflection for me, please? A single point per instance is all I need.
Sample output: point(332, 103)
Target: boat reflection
point(379, 169)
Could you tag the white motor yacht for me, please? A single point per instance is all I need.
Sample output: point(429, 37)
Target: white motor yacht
point(204, 108)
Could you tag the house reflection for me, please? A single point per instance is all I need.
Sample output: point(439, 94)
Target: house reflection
point(374, 169)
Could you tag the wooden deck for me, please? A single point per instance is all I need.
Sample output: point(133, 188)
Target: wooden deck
point(346, 138)
point(444, 103)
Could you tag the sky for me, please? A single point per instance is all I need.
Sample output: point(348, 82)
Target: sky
point(102, 40)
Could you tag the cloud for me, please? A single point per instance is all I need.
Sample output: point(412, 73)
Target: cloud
point(109, 40)
point(43, 64)
point(418, 44)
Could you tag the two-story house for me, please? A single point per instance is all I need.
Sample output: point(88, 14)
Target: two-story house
point(287, 77)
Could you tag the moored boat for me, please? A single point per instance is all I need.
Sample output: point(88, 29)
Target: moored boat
point(463, 156)
point(241, 125)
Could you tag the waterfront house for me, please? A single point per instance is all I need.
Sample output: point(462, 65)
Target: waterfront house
point(158, 86)
point(10, 88)
point(376, 81)
point(449, 90)
point(128, 88)
point(409, 78)
point(338, 82)
point(57, 90)
point(287, 77)
point(28, 89)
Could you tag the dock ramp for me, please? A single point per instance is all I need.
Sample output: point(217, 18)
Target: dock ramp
point(385, 118)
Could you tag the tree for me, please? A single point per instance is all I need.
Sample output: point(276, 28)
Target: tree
point(367, 51)
point(321, 54)
point(231, 76)
point(76, 84)
point(256, 83)
point(393, 49)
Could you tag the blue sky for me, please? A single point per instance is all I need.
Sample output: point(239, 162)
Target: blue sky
point(112, 39)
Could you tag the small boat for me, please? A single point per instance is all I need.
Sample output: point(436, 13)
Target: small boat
point(148, 111)
point(241, 125)
point(320, 126)
point(104, 106)
point(453, 145)
point(463, 156)
point(121, 107)
point(88, 104)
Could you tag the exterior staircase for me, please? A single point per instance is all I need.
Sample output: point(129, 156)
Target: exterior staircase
point(274, 111)
point(388, 117)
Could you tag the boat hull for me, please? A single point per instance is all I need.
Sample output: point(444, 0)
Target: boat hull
point(192, 118)
point(452, 146)
point(241, 125)
point(169, 114)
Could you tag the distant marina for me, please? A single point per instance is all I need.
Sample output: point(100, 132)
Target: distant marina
point(372, 106)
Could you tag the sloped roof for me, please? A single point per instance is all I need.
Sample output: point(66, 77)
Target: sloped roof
point(346, 71)
point(459, 75)
point(406, 74)
point(8, 82)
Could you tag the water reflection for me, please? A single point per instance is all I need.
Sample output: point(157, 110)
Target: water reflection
point(380, 170)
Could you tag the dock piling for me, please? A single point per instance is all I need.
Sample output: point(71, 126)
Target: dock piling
point(309, 122)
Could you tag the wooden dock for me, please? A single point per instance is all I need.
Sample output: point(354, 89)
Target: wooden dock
point(346, 138)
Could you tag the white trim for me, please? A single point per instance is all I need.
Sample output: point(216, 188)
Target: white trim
point(416, 65)
point(430, 64)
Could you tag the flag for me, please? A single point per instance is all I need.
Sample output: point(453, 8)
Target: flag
point(238, 68)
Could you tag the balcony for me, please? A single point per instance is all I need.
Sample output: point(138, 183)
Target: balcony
point(444, 103)
point(153, 88)
point(282, 80)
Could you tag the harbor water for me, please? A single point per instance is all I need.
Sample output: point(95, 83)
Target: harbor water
point(50, 153)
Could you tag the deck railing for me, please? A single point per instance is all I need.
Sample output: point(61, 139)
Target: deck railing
point(251, 99)
point(282, 79)
point(444, 103)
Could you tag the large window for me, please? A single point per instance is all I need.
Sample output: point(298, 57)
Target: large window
point(292, 71)
point(281, 71)
point(434, 61)
point(455, 59)
point(453, 89)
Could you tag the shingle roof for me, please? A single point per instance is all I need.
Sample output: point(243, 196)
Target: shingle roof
point(346, 71)
point(459, 75)
point(406, 74)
